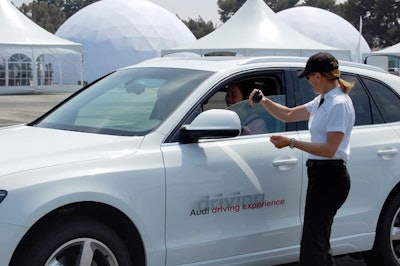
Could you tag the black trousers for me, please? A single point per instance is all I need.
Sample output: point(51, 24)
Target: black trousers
point(328, 188)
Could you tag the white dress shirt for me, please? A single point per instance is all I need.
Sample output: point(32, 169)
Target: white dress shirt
point(336, 114)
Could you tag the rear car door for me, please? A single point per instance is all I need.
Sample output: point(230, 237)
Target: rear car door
point(374, 160)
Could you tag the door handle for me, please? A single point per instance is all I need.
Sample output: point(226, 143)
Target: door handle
point(288, 161)
point(387, 152)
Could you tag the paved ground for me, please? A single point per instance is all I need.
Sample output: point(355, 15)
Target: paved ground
point(15, 109)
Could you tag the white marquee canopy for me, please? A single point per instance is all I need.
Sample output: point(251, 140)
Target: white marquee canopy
point(393, 50)
point(118, 33)
point(387, 58)
point(256, 30)
point(32, 59)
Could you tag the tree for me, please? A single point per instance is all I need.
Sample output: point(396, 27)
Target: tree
point(387, 18)
point(51, 14)
point(199, 27)
point(329, 5)
point(47, 15)
point(284, 4)
point(227, 8)
point(380, 20)
point(70, 7)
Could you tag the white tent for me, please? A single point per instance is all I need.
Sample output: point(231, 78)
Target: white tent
point(34, 60)
point(387, 58)
point(330, 30)
point(393, 50)
point(256, 30)
point(118, 33)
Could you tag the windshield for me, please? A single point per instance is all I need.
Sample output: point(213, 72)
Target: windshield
point(130, 102)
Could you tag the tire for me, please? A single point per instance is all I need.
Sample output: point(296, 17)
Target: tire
point(73, 242)
point(386, 250)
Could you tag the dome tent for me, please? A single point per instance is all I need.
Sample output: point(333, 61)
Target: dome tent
point(34, 60)
point(330, 29)
point(118, 33)
point(256, 30)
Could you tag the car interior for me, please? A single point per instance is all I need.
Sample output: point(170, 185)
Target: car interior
point(270, 84)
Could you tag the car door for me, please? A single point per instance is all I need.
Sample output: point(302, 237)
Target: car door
point(232, 200)
point(373, 164)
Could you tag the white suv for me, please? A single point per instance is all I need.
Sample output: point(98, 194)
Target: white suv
point(147, 166)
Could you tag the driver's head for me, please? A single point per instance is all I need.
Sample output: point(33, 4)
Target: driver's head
point(233, 94)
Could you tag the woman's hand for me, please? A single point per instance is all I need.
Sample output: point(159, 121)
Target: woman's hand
point(280, 141)
point(251, 96)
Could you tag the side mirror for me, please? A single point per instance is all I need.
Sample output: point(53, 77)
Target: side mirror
point(215, 123)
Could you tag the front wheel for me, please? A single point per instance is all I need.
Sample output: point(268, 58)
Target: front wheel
point(75, 242)
point(386, 250)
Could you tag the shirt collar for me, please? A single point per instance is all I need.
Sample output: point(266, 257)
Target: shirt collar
point(332, 93)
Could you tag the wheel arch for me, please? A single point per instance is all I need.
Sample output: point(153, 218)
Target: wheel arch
point(379, 255)
point(395, 191)
point(104, 213)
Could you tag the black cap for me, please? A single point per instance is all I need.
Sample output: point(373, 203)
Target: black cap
point(321, 63)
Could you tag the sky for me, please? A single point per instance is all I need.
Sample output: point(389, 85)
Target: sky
point(207, 9)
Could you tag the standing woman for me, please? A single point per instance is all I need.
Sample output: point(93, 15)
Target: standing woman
point(330, 118)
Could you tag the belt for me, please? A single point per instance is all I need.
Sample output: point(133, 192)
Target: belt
point(316, 163)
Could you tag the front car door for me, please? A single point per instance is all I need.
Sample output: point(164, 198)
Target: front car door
point(232, 200)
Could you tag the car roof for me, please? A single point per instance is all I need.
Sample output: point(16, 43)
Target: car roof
point(218, 63)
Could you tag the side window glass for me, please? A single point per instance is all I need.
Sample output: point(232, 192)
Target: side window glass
point(306, 94)
point(386, 100)
point(365, 109)
point(255, 119)
point(306, 90)
point(366, 112)
point(361, 102)
point(234, 96)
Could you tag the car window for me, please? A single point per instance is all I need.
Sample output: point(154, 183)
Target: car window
point(387, 101)
point(365, 109)
point(255, 120)
point(306, 91)
point(130, 102)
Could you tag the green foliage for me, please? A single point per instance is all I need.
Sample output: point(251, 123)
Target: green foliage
point(199, 27)
point(51, 14)
point(72, 6)
point(284, 4)
point(47, 15)
point(329, 5)
point(229, 7)
point(380, 20)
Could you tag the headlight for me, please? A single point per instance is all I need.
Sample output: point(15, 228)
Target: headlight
point(3, 195)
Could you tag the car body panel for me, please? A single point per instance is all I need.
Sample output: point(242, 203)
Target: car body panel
point(214, 201)
point(229, 194)
point(74, 147)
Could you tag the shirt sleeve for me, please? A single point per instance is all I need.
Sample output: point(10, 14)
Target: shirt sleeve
point(310, 104)
point(336, 118)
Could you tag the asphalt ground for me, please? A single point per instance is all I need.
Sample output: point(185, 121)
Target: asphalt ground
point(24, 108)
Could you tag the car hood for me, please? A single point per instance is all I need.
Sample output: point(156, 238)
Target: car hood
point(25, 147)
